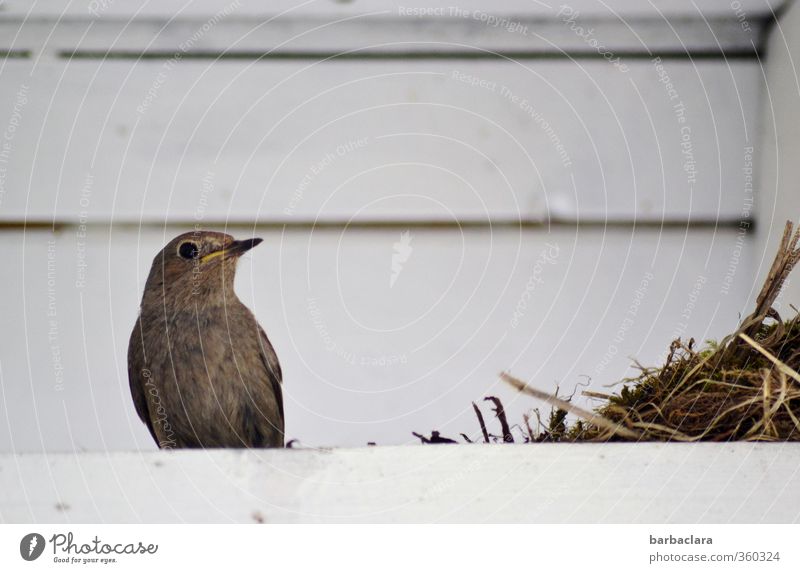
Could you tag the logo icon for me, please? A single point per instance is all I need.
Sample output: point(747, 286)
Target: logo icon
point(402, 252)
point(31, 546)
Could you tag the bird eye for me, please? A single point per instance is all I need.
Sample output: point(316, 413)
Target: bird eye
point(188, 250)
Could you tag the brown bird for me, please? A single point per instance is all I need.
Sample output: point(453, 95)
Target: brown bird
point(202, 372)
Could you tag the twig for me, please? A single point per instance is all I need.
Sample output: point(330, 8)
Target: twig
point(785, 259)
point(593, 394)
point(781, 366)
point(527, 419)
point(422, 438)
point(590, 417)
point(482, 423)
point(501, 415)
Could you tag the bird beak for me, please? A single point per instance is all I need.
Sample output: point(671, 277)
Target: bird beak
point(235, 249)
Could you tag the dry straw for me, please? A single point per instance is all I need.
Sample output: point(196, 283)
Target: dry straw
point(744, 388)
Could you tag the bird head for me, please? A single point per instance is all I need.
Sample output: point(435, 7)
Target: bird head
point(197, 267)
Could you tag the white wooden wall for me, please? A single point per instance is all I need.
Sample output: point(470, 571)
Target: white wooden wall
point(565, 212)
point(548, 483)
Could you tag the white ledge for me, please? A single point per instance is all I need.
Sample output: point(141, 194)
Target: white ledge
point(585, 483)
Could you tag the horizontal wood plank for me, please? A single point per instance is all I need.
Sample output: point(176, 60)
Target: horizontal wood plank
point(365, 357)
point(196, 8)
point(449, 140)
point(381, 34)
point(609, 483)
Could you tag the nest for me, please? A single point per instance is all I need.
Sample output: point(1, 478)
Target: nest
point(746, 387)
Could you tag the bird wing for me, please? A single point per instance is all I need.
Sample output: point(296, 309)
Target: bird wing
point(273, 367)
point(135, 363)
